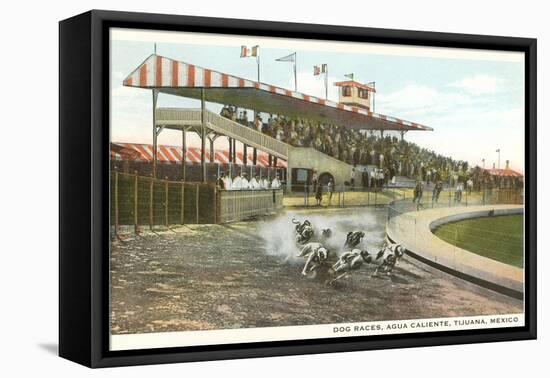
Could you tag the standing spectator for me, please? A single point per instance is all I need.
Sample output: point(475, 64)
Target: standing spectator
point(255, 183)
point(228, 182)
point(365, 178)
point(245, 183)
point(418, 191)
point(276, 184)
point(265, 183)
point(330, 188)
point(319, 194)
point(352, 178)
point(438, 187)
point(469, 185)
point(258, 124)
point(314, 180)
point(237, 183)
point(458, 192)
point(220, 182)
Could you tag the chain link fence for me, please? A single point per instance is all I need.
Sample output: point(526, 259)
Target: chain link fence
point(344, 196)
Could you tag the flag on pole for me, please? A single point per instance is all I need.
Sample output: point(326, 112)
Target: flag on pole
point(288, 58)
point(349, 76)
point(250, 52)
point(292, 59)
point(317, 70)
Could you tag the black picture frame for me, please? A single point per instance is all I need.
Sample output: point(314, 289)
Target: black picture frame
point(84, 194)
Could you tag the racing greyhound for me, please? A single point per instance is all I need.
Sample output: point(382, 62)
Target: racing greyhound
point(304, 231)
point(353, 238)
point(350, 261)
point(388, 257)
point(316, 254)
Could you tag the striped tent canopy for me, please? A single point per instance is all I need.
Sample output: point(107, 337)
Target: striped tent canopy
point(186, 80)
point(172, 155)
point(507, 172)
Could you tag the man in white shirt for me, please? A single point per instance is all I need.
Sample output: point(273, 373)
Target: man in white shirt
point(228, 183)
point(237, 183)
point(265, 183)
point(255, 183)
point(245, 184)
point(275, 184)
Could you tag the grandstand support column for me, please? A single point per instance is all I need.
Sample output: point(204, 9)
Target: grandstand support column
point(245, 154)
point(255, 156)
point(183, 152)
point(212, 155)
point(203, 135)
point(230, 150)
point(155, 134)
point(381, 133)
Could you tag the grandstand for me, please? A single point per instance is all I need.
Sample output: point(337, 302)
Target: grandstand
point(163, 75)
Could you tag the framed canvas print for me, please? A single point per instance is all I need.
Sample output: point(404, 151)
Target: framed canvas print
point(236, 188)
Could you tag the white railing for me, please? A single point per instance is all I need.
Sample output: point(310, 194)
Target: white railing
point(237, 205)
point(222, 125)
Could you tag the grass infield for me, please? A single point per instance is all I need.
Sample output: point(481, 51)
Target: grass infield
point(499, 238)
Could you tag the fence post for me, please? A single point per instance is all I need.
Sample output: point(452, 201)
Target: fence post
point(182, 202)
point(166, 202)
point(368, 197)
point(136, 190)
point(449, 197)
point(343, 196)
point(375, 197)
point(197, 203)
point(116, 202)
point(151, 183)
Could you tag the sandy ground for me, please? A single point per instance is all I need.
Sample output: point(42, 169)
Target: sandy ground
point(201, 277)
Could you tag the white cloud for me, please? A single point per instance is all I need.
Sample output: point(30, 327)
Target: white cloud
point(479, 84)
point(419, 102)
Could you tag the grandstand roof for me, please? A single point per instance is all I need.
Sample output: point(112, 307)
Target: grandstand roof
point(172, 154)
point(183, 79)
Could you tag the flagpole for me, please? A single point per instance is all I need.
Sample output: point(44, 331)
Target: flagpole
point(258, 62)
point(295, 77)
point(326, 82)
point(374, 97)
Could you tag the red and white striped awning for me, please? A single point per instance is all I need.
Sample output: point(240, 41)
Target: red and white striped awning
point(503, 172)
point(184, 79)
point(172, 155)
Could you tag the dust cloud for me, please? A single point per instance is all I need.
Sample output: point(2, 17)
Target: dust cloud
point(278, 234)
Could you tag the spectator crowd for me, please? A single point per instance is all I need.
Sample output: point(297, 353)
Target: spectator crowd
point(390, 155)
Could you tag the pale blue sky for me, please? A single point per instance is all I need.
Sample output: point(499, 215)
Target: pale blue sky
point(474, 105)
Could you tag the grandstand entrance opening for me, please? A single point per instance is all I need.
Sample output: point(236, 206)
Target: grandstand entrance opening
point(324, 178)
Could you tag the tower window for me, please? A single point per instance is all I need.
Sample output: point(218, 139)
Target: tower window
point(346, 91)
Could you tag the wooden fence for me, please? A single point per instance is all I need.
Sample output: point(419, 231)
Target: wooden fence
point(144, 202)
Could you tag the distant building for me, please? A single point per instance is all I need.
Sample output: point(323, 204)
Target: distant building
point(506, 178)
